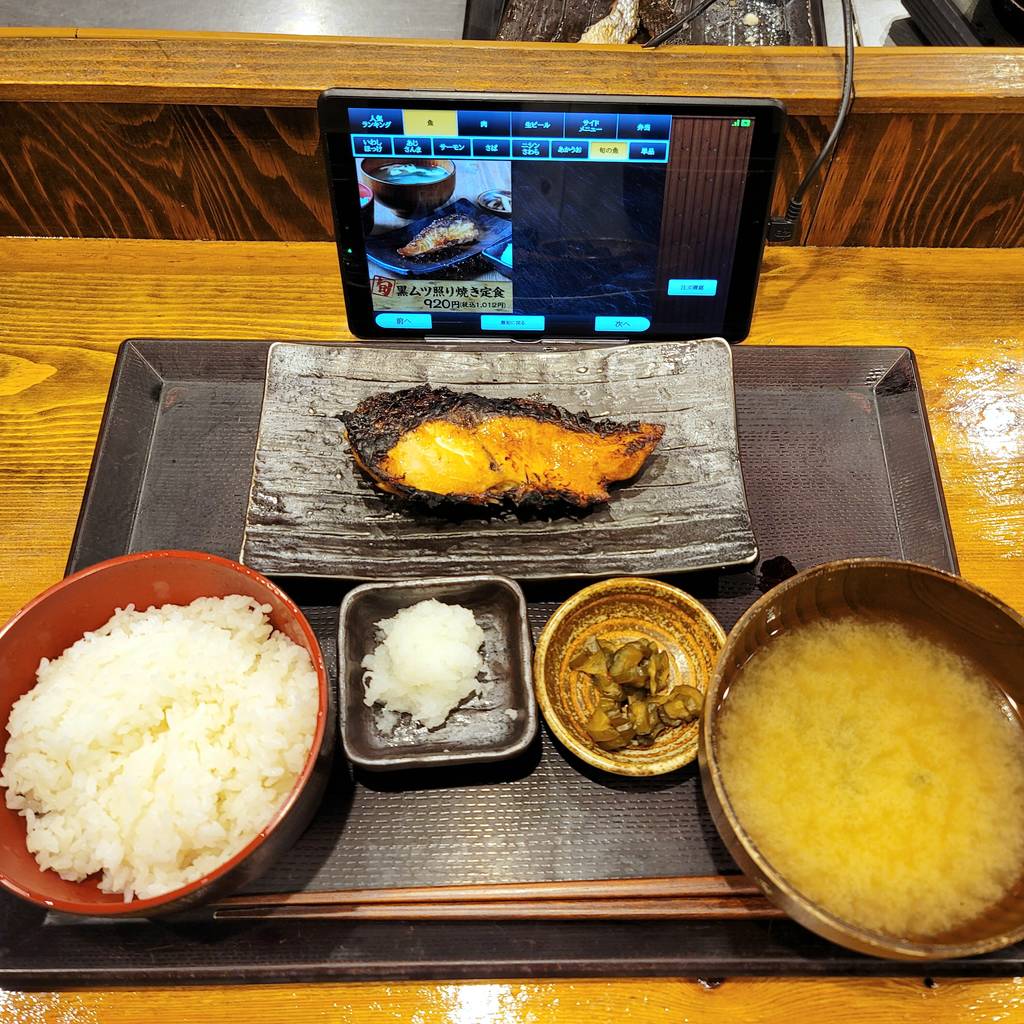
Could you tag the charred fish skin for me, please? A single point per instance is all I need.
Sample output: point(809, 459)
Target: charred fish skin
point(443, 233)
point(379, 427)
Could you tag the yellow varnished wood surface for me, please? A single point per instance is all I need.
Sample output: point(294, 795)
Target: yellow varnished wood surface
point(66, 304)
point(137, 66)
point(642, 1001)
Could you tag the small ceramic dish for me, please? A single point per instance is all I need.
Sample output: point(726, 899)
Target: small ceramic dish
point(620, 610)
point(498, 724)
point(497, 201)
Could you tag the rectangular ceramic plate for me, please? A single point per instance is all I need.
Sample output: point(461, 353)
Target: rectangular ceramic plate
point(838, 463)
point(313, 513)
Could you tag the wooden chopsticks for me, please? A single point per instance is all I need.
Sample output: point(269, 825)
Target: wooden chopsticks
point(705, 897)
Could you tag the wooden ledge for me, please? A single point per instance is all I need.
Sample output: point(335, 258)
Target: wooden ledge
point(118, 66)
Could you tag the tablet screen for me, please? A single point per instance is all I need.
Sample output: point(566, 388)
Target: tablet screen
point(584, 218)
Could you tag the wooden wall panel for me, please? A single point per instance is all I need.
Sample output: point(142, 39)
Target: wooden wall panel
point(801, 144)
point(182, 171)
point(102, 170)
point(161, 171)
point(925, 180)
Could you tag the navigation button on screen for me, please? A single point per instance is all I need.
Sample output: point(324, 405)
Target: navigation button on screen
point(412, 145)
point(692, 286)
point(624, 324)
point(496, 322)
point(542, 125)
point(430, 122)
point(484, 122)
point(536, 149)
point(565, 150)
point(648, 150)
point(491, 147)
point(378, 120)
point(451, 147)
point(644, 126)
point(406, 321)
point(370, 145)
point(591, 126)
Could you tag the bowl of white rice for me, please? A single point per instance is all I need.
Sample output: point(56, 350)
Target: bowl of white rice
point(168, 735)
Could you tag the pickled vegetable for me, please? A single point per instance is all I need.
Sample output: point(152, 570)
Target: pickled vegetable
point(637, 702)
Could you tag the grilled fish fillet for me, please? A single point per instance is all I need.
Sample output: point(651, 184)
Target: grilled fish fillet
point(441, 446)
point(442, 233)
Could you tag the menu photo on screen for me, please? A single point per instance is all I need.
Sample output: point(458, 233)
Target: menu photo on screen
point(549, 216)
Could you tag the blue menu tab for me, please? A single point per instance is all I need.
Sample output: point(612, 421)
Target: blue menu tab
point(452, 147)
point(644, 126)
point(539, 125)
point(648, 151)
point(531, 149)
point(371, 145)
point(692, 286)
point(501, 322)
point(485, 122)
point(378, 120)
point(566, 149)
point(405, 321)
point(491, 147)
point(591, 126)
point(412, 145)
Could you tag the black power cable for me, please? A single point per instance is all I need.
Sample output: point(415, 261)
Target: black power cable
point(782, 229)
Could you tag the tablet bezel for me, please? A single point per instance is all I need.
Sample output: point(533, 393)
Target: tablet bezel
point(768, 118)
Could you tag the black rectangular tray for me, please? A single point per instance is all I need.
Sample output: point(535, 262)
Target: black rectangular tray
point(837, 461)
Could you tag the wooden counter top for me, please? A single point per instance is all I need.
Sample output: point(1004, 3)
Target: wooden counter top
point(65, 305)
point(136, 66)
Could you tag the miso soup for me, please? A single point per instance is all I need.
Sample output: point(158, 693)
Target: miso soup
point(880, 773)
point(410, 174)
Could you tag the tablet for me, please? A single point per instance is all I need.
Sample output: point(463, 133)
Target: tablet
point(530, 216)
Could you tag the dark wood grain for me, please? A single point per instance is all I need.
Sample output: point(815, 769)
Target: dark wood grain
point(801, 142)
point(154, 171)
point(925, 180)
point(102, 170)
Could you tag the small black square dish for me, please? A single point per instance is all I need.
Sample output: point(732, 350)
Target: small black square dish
point(498, 723)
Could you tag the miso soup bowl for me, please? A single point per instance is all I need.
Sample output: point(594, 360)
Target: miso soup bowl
point(84, 601)
point(409, 198)
point(935, 604)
